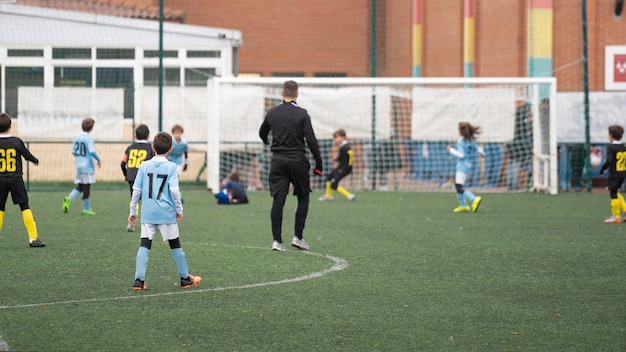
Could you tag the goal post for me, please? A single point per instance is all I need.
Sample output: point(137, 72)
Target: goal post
point(399, 129)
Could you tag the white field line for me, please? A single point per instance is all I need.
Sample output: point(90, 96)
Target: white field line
point(339, 264)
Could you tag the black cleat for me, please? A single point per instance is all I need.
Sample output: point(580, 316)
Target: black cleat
point(37, 243)
point(139, 285)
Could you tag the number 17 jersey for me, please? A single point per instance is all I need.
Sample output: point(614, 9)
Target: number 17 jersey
point(157, 178)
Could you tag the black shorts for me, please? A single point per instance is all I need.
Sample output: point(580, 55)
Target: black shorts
point(615, 182)
point(285, 171)
point(336, 175)
point(15, 185)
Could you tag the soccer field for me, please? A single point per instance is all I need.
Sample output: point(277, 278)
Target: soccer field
point(389, 272)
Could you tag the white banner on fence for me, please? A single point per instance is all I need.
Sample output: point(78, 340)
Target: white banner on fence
point(605, 109)
point(437, 112)
point(56, 114)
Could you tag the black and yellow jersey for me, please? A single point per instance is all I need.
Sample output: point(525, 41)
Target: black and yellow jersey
point(12, 149)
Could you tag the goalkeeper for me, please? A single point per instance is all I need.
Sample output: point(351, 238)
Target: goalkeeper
point(344, 168)
point(466, 152)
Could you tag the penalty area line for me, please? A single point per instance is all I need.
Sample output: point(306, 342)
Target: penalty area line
point(338, 265)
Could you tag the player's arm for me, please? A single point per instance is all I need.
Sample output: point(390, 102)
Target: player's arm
point(123, 166)
point(185, 161)
point(264, 131)
point(27, 154)
point(314, 147)
point(132, 217)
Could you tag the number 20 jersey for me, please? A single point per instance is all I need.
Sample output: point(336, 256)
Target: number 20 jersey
point(156, 179)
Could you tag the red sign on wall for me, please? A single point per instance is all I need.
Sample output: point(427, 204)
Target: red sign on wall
point(619, 68)
point(615, 68)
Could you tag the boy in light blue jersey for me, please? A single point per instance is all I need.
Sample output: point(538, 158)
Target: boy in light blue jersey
point(156, 185)
point(466, 152)
point(179, 155)
point(84, 152)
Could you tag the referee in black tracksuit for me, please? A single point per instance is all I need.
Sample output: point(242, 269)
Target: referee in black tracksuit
point(290, 126)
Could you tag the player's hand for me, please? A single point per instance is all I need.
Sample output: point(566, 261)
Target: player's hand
point(179, 217)
point(185, 165)
point(132, 219)
point(318, 169)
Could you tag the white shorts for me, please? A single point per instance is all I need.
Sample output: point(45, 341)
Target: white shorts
point(85, 179)
point(460, 178)
point(168, 231)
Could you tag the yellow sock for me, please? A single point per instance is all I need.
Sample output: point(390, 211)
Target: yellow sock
point(343, 192)
point(1, 219)
point(615, 208)
point(622, 203)
point(29, 222)
point(329, 190)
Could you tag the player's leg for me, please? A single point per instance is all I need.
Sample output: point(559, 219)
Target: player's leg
point(70, 198)
point(276, 217)
point(614, 184)
point(4, 194)
point(459, 180)
point(20, 196)
point(170, 233)
point(200, 172)
point(302, 189)
point(328, 193)
point(622, 203)
point(141, 263)
point(279, 188)
point(344, 192)
point(86, 189)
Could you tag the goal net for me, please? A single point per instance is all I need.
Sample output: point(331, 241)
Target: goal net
point(399, 129)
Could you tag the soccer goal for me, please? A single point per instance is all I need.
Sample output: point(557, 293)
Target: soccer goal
point(399, 129)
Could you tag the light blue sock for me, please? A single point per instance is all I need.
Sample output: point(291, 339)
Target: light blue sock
point(86, 203)
point(142, 263)
point(461, 199)
point(181, 262)
point(73, 194)
point(469, 195)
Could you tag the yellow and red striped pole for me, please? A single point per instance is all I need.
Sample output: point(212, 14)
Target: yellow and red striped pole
point(417, 38)
point(468, 38)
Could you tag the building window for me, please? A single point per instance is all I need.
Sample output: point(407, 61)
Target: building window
point(115, 53)
point(119, 77)
point(72, 76)
point(71, 53)
point(20, 77)
point(330, 74)
point(204, 53)
point(197, 77)
point(171, 76)
point(155, 53)
point(288, 74)
point(25, 52)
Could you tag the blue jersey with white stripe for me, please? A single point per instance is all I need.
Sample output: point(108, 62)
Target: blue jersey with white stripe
point(84, 151)
point(157, 178)
point(178, 150)
point(470, 151)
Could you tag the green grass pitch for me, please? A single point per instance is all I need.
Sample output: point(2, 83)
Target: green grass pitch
point(389, 272)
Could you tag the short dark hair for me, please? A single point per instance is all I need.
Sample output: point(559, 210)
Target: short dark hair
point(178, 128)
point(87, 124)
point(290, 89)
point(5, 122)
point(340, 133)
point(142, 131)
point(234, 176)
point(162, 143)
point(616, 132)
